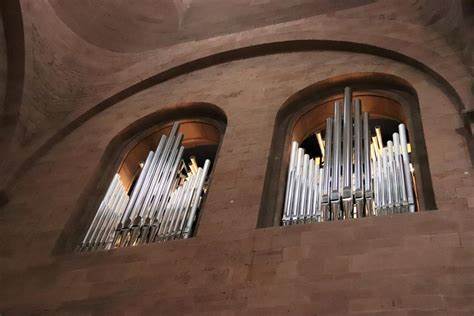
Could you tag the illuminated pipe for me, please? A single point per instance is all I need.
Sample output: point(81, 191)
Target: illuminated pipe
point(397, 201)
point(393, 178)
point(304, 189)
point(159, 205)
point(169, 175)
point(105, 214)
point(316, 200)
point(358, 163)
point(399, 170)
point(182, 208)
point(168, 231)
point(193, 165)
point(297, 191)
point(378, 134)
point(347, 198)
point(368, 189)
point(325, 209)
point(196, 201)
point(336, 163)
point(102, 234)
point(178, 230)
point(321, 144)
point(310, 183)
point(138, 212)
point(406, 167)
point(144, 178)
point(159, 177)
point(290, 183)
point(100, 211)
point(136, 189)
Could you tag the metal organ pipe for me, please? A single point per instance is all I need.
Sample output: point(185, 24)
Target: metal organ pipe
point(159, 207)
point(347, 194)
point(325, 209)
point(368, 188)
point(406, 167)
point(359, 177)
point(358, 164)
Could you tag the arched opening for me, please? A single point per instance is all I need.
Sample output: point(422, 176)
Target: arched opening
point(152, 181)
point(388, 100)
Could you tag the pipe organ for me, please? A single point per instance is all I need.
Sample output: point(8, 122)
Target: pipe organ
point(162, 205)
point(356, 175)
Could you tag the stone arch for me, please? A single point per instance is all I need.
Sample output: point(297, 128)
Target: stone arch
point(244, 52)
point(305, 100)
point(116, 151)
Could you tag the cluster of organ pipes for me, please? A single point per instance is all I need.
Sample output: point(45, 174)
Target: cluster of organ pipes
point(162, 205)
point(356, 176)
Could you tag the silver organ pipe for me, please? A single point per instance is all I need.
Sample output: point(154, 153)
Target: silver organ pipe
point(160, 207)
point(358, 162)
point(406, 168)
point(359, 176)
point(347, 198)
point(336, 163)
point(368, 163)
point(325, 181)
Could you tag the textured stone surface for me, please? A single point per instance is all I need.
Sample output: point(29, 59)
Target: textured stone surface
point(410, 264)
point(3, 65)
point(66, 76)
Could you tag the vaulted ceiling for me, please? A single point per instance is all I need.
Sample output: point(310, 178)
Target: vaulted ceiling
point(118, 26)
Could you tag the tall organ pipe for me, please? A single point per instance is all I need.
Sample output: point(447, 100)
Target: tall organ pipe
point(347, 197)
point(100, 211)
point(347, 144)
point(406, 167)
point(336, 160)
point(139, 183)
point(289, 183)
point(327, 171)
point(368, 190)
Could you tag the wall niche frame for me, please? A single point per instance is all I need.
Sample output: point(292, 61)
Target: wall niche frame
point(379, 85)
point(114, 155)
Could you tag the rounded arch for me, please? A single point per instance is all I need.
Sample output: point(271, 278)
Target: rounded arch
point(314, 95)
point(267, 48)
point(117, 150)
point(15, 56)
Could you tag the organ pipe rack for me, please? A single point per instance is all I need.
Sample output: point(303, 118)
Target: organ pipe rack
point(161, 206)
point(359, 177)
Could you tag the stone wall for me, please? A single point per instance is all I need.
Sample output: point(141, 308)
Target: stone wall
point(3, 65)
point(407, 264)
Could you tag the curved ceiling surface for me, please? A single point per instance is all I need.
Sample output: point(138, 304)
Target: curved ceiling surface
point(117, 25)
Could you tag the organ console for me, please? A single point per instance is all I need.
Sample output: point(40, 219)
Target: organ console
point(162, 205)
point(356, 175)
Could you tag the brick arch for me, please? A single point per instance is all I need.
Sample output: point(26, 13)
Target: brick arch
point(117, 150)
point(217, 57)
point(305, 100)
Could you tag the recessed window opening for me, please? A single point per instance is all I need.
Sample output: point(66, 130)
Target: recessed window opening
point(156, 193)
point(354, 162)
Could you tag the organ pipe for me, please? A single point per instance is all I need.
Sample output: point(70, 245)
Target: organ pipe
point(359, 177)
point(160, 207)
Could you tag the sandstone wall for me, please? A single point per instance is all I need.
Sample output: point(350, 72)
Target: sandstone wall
point(409, 264)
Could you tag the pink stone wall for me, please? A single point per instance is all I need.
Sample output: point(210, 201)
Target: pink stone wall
point(408, 264)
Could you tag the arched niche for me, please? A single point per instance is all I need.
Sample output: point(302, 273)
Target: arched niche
point(383, 96)
point(203, 126)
